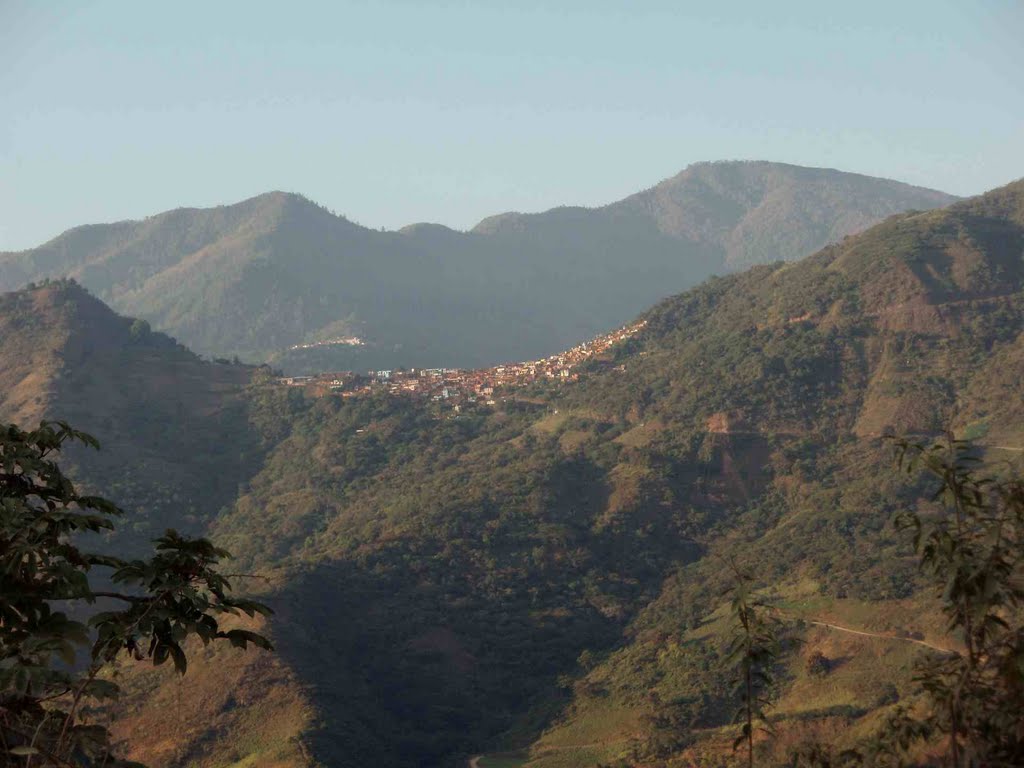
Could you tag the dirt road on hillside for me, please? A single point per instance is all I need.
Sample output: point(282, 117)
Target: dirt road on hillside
point(862, 633)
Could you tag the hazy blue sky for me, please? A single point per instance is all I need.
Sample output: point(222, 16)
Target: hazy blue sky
point(395, 112)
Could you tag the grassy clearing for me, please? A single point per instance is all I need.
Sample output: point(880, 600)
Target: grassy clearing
point(595, 721)
point(583, 756)
point(641, 435)
point(504, 760)
point(551, 423)
point(572, 439)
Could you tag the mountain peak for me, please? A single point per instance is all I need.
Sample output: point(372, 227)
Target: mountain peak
point(258, 277)
point(65, 299)
point(274, 206)
point(753, 210)
point(278, 198)
point(40, 326)
point(427, 228)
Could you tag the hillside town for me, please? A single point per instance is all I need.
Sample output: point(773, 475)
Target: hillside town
point(456, 386)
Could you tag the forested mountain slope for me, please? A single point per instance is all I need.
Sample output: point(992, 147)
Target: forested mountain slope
point(548, 573)
point(744, 212)
point(779, 382)
point(173, 427)
point(258, 277)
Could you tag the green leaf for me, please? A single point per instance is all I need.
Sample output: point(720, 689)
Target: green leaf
point(240, 637)
point(180, 662)
point(160, 654)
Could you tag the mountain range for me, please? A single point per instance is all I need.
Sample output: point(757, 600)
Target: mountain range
point(277, 271)
point(543, 577)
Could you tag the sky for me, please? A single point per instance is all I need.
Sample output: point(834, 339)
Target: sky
point(397, 112)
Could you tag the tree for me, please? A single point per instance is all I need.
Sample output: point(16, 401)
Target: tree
point(972, 548)
point(753, 646)
point(818, 664)
point(45, 683)
point(139, 330)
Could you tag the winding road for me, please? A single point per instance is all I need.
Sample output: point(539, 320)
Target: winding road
point(862, 633)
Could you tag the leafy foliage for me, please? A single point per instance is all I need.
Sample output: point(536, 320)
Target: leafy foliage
point(45, 687)
point(972, 549)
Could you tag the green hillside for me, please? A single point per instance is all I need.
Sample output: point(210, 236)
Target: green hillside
point(176, 440)
point(541, 581)
point(257, 278)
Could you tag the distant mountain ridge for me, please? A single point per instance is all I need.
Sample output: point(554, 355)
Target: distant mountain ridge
point(739, 203)
point(255, 278)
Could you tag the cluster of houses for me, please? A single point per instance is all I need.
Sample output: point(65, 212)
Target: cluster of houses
point(346, 341)
point(457, 385)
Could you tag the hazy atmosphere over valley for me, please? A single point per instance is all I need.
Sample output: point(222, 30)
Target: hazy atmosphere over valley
point(476, 385)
